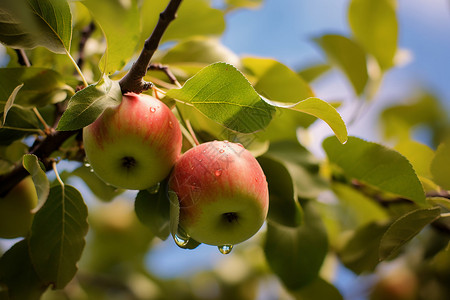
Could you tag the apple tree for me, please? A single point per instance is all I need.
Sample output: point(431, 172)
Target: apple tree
point(127, 124)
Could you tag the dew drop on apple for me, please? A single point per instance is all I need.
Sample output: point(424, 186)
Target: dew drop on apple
point(152, 109)
point(180, 241)
point(225, 249)
point(221, 151)
point(170, 124)
point(218, 172)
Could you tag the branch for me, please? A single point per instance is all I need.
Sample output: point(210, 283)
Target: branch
point(166, 70)
point(133, 80)
point(85, 34)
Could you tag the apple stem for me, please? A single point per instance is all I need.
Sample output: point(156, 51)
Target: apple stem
point(191, 131)
point(133, 80)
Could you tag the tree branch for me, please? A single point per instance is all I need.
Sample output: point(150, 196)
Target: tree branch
point(133, 80)
point(85, 34)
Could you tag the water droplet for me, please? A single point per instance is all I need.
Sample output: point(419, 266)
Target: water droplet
point(91, 170)
point(180, 241)
point(226, 141)
point(170, 124)
point(87, 165)
point(221, 151)
point(256, 179)
point(225, 249)
point(218, 172)
point(154, 189)
point(152, 109)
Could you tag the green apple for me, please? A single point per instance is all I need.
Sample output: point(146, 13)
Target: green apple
point(222, 191)
point(133, 145)
point(15, 209)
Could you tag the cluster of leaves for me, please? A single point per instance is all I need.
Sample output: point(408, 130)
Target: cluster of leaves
point(382, 198)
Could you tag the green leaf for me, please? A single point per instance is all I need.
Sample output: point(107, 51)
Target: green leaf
point(376, 165)
point(360, 253)
point(348, 56)
point(224, 95)
point(200, 50)
point(278, 82)
point(86, 105)
point(322, 110)
point(194, 18)
point(153, 210)
point(31, 23)
point(41, 86)
point(9, 103)
point(120, 24)
point(284, 208)
point(357, 208)
point(312, 72)
point(20, 122)
point(18, 279)
point(41, 182)
point(302, 165)
point(424, 110)
point(405, 228)
point(440, 165)
point(374, 24)
point(296, 254)
point(57, 235)
point(419, 155)
point(97, 186)
point(319, 289)
point(244, 3)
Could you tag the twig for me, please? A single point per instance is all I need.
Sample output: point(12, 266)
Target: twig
point(85, 35)
point(22, 58)
point(133, 80)
point(166, 70)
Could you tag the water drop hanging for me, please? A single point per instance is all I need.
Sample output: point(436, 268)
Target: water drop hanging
point(225, 249)
point(180, 241)
point(152, 109)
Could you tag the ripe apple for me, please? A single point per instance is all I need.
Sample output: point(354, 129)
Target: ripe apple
point(222, 191)
point(133, 145)
point(15, 209)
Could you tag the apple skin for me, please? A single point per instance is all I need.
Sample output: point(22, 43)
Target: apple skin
point(135, 144)
point(15, 210)
point(222, 191)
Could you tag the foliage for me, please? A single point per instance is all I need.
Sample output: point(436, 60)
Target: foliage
point(388, 201)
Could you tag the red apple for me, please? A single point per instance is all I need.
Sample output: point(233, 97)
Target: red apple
point(222, 191)
point(135, 144)
point(15, 209)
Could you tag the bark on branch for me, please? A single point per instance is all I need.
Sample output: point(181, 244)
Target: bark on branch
point(133, 80)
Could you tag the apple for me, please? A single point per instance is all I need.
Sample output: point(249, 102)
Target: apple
point(133, 145)
point(15, 209)
point(222, 192)
point(400, 283)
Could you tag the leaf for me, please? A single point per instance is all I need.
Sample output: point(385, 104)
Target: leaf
point(194, 18)
point(440, 165)
point(200, 50)
point(41, 182)
point(121, 26)
point(97, 186)
point(18, 279)
point(86, 105)
point(319, 289)
point(284, 208)
point(30, 23)
point(374, 24)
point(419, 155)
point(312, 72)
point(376, 165)
point(405, 228)
point(348, 56)
point(322, 110)
point(302, 165)
point(224, 95)
point(153, 210)
point(57, 235)
point(41, 86)
point(9, 103)
point(360, 253)
point(296, 254)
